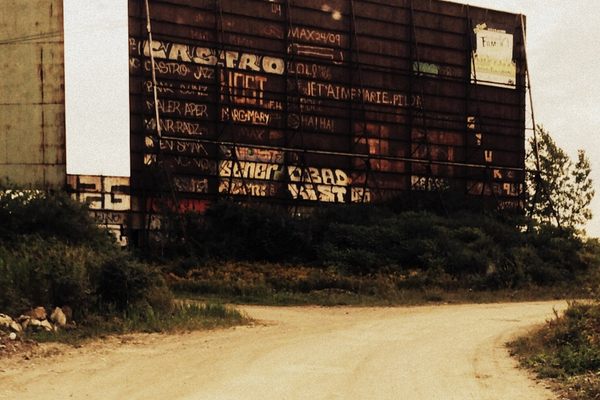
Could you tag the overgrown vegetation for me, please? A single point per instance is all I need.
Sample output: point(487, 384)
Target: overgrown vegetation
point(180, 317)
point(419, 249)
point(562, 191)
point(421, 241)
point(47, 215)
point(278, 284)
point(53, 254)
point(567, 351)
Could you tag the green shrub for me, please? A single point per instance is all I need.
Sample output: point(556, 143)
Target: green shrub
point(473, 249)
point(260, 233)
point(12, 300)
point(45, 272)
point(51, 273)
point(53, 254)
point(160, 298)
point(512, 268)
point(559, 255)
point(566, 349)
point(122, 282)
point(48, 215)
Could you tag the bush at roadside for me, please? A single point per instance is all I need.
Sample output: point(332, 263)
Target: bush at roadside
point(461, 249)
point(50, 273)
point(567, 350)
point(49, 215)
point(53, 254)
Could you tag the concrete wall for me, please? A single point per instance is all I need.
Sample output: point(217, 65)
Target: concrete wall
point(32, 110)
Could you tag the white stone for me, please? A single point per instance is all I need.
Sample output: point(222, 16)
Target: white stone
point(5, 321)
point(47, 325)
point(24, 321)
point(35, 322)
point(58, 317)
point(16, 327)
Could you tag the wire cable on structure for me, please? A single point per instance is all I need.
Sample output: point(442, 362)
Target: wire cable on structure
point(58, 34)
point(536, 149)
point(30, 38)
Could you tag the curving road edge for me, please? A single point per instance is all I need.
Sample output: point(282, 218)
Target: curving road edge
point(431, 352)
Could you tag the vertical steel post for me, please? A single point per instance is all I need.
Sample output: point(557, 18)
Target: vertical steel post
point(153, 62)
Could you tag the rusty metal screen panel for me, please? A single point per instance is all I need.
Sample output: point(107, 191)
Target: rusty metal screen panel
point(336, 101)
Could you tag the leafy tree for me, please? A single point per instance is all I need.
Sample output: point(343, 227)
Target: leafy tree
point(561, 191)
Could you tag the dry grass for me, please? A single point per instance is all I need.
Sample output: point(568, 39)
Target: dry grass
point(277, 284)
point(183, 317)
point(566, 351)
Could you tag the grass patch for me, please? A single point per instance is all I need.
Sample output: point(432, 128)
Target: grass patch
point(566, 350)
point(407, 297)
point(185, 317)
point(286, 285)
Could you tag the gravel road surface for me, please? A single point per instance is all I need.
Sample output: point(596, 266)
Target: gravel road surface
point(431, 352)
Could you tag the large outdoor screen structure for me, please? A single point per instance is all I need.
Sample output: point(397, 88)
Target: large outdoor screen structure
point(336, 101)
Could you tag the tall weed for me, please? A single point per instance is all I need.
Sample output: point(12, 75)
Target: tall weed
point(474, 249)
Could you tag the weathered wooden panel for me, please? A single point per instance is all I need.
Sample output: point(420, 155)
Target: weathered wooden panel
point(32, 111)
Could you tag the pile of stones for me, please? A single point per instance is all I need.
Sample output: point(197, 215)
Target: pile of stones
point(37, 320)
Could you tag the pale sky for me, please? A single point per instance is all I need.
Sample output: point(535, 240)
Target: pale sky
point(97, 87)
point(563, 38)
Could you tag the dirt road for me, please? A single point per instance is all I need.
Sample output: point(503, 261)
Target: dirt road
point(438, 352)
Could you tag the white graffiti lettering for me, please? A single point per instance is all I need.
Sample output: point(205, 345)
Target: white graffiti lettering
point(163, 50)
point(360, 195)
point(314, 71)
point(183, 146)
point(250, 170)
point(254, 117)
point(182, 108)
point(201, 164)
point(244, 88)
point(339, 92)
point(322, 193)
point(244, 188)
point(316, 36)
point(190, 184)
point(318, 175)
point(176, 127)
point(428, 183)
point(260, 155)
point(336, 56)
